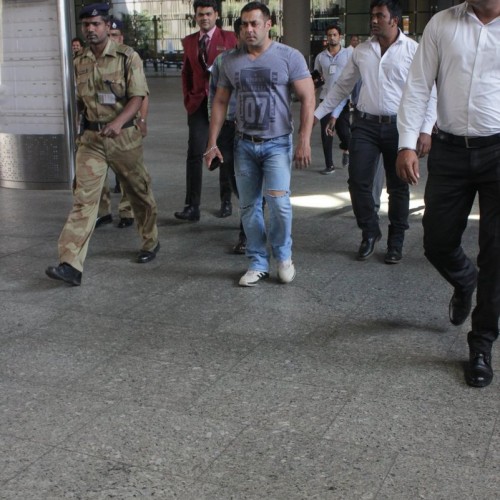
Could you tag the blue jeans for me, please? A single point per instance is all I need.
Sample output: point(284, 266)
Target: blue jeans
point(264, 169)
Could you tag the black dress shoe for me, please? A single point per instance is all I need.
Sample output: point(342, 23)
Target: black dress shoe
point(367, 247)
point(105, 219)
point(393, 255)
point(66, 273)
point(240, 247)
point(125, 222)
point(460, 306)
point(147, 255)
point(479, 373)
point(226, 209)
point(190, 212)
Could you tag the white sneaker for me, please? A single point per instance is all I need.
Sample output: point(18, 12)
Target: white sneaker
point(251, 277)
point(286, 271)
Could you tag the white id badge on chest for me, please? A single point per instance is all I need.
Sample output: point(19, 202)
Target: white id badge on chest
point(104, 98)
point(333, 69)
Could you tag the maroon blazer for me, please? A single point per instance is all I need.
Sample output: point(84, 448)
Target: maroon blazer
point(194, 78)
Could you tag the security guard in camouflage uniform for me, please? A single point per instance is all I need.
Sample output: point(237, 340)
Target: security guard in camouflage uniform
point(110, 89)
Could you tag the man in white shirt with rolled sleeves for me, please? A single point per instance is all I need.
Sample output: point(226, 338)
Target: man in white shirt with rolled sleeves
point(382, 62)
point(461, 54)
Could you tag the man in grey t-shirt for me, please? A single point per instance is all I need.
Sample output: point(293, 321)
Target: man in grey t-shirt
point(262, 73)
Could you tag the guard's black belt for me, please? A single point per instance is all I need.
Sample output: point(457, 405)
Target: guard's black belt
point(98, 126)
point(376, 118)
point(468, 142)
point(253, 138)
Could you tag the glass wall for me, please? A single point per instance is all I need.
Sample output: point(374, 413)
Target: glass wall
point(155, 28)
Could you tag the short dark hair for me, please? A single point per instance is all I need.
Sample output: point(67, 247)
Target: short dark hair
point(334, 27)
point(79, 40)
point(237, 26)
point(257, 6)
point(205, 3)
point(393, 6)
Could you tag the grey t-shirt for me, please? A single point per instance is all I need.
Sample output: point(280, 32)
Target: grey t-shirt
point(263, 88)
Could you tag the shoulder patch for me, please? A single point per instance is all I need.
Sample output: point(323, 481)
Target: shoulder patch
point(125, 49)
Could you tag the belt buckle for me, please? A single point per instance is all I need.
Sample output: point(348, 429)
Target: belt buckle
point(467, 142)
point(384, 119)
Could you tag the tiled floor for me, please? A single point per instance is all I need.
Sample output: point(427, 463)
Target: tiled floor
point(169, 381)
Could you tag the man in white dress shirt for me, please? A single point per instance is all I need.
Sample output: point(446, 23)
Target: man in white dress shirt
point(382, 62)
point(460, 53)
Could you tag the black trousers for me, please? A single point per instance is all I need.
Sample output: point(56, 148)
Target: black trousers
point(368, 141)
point(198, 137)
point(456, 175)
point(343, 129)
point(225, 143)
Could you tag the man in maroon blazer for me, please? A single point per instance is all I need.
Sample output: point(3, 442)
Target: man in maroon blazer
point(200, 50)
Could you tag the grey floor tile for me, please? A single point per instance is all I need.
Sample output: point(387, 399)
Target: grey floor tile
point(329, 367)
point(45, 414)
point(417, 427)
point(64, 474)
point(168, 384)
point(43, 362)
point(19, 320)
point(159, 439)
point(434, 379)
point(94, 332)
point(198, 348)
point(281, 464)
point(415, 477)
point(16, 455)
point(274, 404)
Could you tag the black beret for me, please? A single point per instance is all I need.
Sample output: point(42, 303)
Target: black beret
point(94, 9)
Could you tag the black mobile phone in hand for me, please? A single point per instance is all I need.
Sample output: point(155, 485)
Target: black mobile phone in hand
point(215, 163)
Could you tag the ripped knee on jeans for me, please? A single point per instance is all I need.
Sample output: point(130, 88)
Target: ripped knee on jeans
point(275, 194)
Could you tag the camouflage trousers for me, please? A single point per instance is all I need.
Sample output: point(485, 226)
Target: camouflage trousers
point(124, 207)
point(125, 157)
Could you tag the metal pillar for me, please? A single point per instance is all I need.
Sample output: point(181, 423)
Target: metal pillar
point(36, 103)
point(297, 26)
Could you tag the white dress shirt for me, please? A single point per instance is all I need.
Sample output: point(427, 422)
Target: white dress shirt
point(462, 56)
point(383, 77)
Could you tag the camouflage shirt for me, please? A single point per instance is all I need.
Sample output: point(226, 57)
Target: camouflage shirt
point(104, 85)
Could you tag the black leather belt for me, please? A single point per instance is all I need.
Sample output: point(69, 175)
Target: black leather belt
point(468, 142)
point(98, 126)
point(252, 138)
point(376, 118)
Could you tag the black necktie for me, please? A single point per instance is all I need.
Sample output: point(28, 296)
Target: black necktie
point(202, 51)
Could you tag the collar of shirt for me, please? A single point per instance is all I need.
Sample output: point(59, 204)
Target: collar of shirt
point(209, 33)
